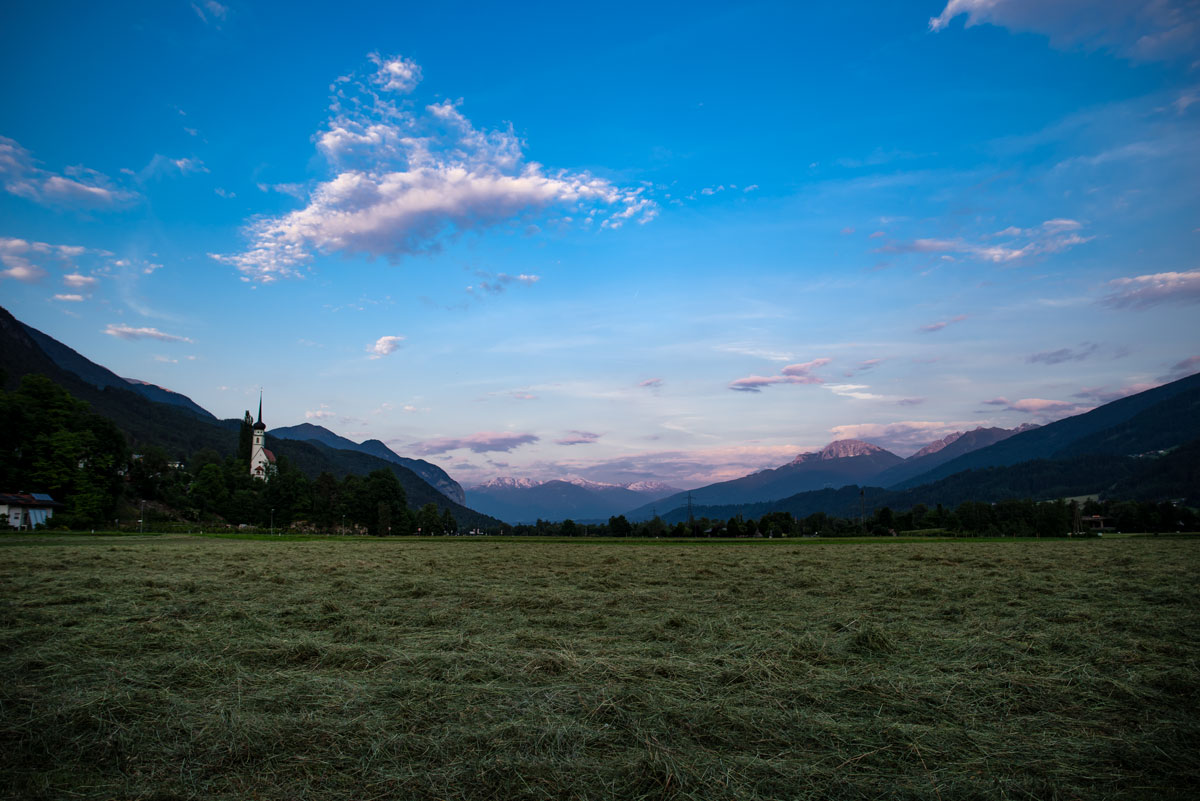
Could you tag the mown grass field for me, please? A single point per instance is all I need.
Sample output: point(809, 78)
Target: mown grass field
point(187, 667)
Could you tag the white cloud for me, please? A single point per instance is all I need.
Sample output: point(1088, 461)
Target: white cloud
point(21, 257)
point(1137, 29)
point(85, 189)
point(1144, 291)
point(122, 331)
point(69, 298)
point(406, 182)
point(397, 74)
point(384, 346)
point(856, 391)
point(77, 281)
point(322, 413)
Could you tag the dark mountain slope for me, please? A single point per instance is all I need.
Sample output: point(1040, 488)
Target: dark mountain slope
point(143, 421)
point(916, 465)
point(1058, 437)
point(101, 377)
point(312, 458)
point(430, 473)
point(839, 464)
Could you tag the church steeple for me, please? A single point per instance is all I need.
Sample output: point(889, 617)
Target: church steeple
point(260, 426)
point(261, 459)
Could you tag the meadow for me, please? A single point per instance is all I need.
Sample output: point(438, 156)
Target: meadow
point(172, 667)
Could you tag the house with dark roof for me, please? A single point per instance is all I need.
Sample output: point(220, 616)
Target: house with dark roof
point(25, 510)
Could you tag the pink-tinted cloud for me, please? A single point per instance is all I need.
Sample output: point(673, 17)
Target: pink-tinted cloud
point(1182, 369)
point(1052, 236)
point(1040, 406)
point(651, 383)
point(940, 324)
point(85, 189)
point(791, 374)
point(1102, 395)
point(481, 442)
point(578, 438)
point(1144, 291)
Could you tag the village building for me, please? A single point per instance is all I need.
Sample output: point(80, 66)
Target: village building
point(262, 461)
point(25, 510)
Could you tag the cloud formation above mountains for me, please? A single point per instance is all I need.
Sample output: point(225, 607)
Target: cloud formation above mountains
point(407, 181)
point(1136, 29)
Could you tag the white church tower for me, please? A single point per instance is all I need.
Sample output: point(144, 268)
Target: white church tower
point(261, 459)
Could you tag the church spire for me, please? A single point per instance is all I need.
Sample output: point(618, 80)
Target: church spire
point(259, 426)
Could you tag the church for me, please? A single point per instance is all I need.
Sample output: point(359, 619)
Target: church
point(262, 461)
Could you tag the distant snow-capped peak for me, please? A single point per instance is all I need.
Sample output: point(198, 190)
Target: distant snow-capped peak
point(839, 449)
point(508, 482)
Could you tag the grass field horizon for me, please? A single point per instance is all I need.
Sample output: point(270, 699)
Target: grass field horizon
point(176, 666)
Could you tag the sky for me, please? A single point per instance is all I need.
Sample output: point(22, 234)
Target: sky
point(618, 241)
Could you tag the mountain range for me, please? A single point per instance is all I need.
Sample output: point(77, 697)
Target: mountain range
point(523, 500)
point(1143, 446)
point(181, 427)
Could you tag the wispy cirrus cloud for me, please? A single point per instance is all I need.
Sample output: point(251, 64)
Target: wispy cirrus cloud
point(651, 383)
point(77, 187)
point(494, 284)
point(164, 166)
point(210, 12)
point(1009, 245)
point(1064, 354)
point(1145, 291)
point(385, 346)
point(578, 438)
point(481, 442)
point(409, 179)
point(122, 331)
point(940, 324)
point(792, 374)
point(1136, 29)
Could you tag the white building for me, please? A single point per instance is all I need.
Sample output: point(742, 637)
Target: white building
point(24, 510)
point(261, 459)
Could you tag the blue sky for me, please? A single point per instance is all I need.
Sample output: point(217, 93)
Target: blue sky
point(621, 241)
